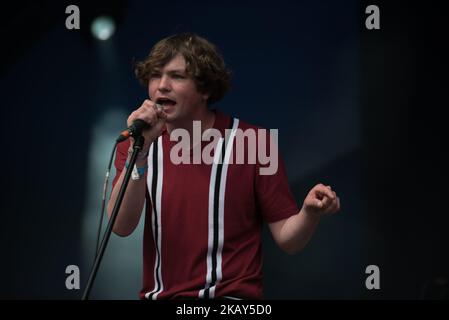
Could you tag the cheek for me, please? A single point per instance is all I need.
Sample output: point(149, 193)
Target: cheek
point(190, 93)
point(151, 89)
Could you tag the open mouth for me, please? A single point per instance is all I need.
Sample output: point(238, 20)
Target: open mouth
point(165, 102)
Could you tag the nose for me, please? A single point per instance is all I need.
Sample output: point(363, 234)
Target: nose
point(164, 84)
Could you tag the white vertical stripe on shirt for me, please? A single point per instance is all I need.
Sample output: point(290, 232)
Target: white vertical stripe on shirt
point(221, 202)
point(156, 215)
point(160, 172)
point(221, 207)
point(210, 236)
point(150, 191)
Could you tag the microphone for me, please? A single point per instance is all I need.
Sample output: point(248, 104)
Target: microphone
point(135, 129)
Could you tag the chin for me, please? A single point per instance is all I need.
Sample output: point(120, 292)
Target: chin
point(170, 118)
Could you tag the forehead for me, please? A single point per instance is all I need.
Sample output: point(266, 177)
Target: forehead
point(177, 63)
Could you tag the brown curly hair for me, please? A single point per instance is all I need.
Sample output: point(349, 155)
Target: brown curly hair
point(204, 63)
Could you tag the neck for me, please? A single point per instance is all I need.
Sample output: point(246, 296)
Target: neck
point(206, 116)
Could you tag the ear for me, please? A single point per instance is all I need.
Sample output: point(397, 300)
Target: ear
point(205, 96)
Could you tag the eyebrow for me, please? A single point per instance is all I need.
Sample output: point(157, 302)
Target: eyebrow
point(177, 71)
point(173, 71)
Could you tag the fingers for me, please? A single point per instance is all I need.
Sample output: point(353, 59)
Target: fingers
point(334, 206)
point(322, 190)
point(160, 112)
point(148, 112)
point(318, 204)
point(324, 199)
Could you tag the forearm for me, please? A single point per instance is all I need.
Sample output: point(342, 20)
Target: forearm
point(132, 204)
point(297, 231)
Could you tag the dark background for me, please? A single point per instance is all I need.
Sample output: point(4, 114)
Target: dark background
point(357, 109)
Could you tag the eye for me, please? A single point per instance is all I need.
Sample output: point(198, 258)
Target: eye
point(178, 76)
point(155, 75)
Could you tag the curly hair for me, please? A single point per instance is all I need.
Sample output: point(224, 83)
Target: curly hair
point(204, 63)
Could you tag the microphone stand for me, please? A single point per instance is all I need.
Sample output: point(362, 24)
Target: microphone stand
point(138, 144)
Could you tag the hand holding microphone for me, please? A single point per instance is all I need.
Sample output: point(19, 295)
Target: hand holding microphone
point(148, 120)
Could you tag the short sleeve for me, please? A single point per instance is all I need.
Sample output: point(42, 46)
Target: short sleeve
point(274, 197)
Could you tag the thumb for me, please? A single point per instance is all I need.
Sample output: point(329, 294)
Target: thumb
point(160, 122)
point(314, 204)
point(161, 113)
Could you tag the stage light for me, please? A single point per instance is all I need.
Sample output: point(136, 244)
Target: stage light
point(103, 27)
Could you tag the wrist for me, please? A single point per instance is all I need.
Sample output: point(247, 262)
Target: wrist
point(141, 163)
point(141, 156)
point(138, 171)
point(311, 215)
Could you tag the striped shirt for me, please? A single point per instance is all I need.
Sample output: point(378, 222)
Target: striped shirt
point(203, 222)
